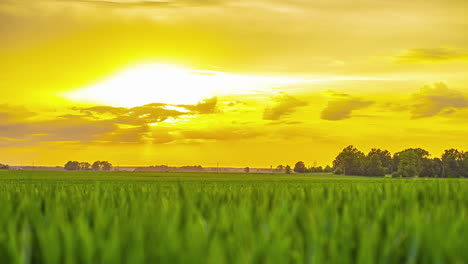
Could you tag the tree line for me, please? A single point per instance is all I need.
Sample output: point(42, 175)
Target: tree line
point(86, 166)
point(412, 162)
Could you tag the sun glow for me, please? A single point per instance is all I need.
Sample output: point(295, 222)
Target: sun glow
point(162, 83)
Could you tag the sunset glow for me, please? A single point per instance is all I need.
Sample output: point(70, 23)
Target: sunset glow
point(239, 83)
point(149, 83)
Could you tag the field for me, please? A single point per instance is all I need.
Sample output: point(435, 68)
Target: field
point(89, 217)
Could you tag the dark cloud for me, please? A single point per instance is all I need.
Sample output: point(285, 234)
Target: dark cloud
point(433, 55)
point(439, 99)
point(282, 105)
point(342, 106)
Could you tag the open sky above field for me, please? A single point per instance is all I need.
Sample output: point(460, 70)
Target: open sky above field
point(242, 83)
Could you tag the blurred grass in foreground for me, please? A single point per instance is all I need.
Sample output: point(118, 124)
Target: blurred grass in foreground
point(125, 217)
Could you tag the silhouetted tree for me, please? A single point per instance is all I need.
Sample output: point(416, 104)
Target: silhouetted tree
point(246, 169)
point(300, 167)
point(316, 169)
point(328, 169)
point(84, 166)
point(106, 166)
point(287, 169)
point(96, 166)
point(4, 167)
point(72, 166)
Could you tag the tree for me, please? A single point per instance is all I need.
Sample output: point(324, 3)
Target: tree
point(106, 166)
point(421, 153)
point(350, 161)
point(328, 169)
point(415, 162)
point(246, 169)
point(300, 167)
point(287, 169)
point(96, 166)
point(373, 165)
point(4, 167)
point(408, 164)
point(72, 166)
point(316, 169)
point(279, 168)
point(385, 158)
point(84, 166)
point(452, 160)
point(464, 164)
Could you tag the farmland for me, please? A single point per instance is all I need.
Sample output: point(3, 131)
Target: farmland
point(147, 217)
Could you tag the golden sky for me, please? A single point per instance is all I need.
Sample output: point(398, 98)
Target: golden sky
point(243, 83)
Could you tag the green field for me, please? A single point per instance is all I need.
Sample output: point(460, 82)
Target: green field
point(125, 217)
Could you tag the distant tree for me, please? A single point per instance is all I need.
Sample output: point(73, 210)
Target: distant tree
point(409, 164)
point(279, 168)
point(96, 166)
point(385, 158)
point(84, 166)
point(287, 169)
point(464, 164)
point(328, 169)
point(4, 167)
point(415, 162)
point(452, 160)
point(437, 168)
point(72, 166)
point(246, 169)
point(106, 166)
point(316, 169)
point(373, 165)
point(350, 161)
point(300, 167)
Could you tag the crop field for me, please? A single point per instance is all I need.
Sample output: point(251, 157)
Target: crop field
point(125, 217)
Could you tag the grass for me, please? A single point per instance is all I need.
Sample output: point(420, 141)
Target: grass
point(124, 217)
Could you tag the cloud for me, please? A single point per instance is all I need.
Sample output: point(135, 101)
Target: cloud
point(439, 99)
point(433, 55)
point(12, 113)
point(98, 124)
point(342, 106)
point(282, 105)
point(147, 3)
point(207, 106)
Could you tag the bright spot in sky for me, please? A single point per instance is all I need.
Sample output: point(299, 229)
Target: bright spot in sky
point(161, 83)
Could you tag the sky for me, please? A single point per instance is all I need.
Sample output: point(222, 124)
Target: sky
point(241, 83)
